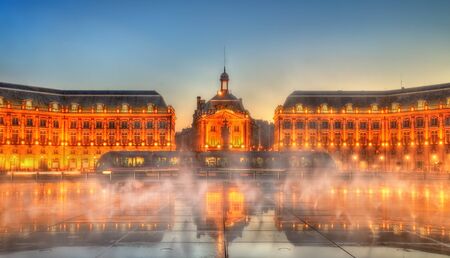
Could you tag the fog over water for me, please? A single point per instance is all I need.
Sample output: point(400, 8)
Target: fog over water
point(316, 216)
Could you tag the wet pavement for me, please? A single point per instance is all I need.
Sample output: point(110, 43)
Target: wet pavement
point(309, 217)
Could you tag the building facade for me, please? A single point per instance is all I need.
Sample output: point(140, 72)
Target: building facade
point(222, 123)
point(49, 129)
point(395, 130)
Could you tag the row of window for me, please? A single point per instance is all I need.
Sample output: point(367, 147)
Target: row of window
point(363, 125)
point(75, 107)
point(29, 122)
point(374, 107)
point(86, 139)
point(363, 139)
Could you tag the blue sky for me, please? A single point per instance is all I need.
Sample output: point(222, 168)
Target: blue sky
point(273, 47)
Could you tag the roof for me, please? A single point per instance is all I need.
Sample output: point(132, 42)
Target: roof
point(225, 100)
point(42, 97)
point(433, 94)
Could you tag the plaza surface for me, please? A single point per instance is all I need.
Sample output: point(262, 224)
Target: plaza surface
point(191, 217)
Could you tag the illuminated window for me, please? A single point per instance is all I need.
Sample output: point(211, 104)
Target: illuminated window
point(448, 101)
point(55, 138)
point(312, 140)
point(43, 123)
point(149, 138)
point(2, 135)
point(54, 106)
point(434, 137)
point(124, 138)
point(337, 139)
point(73, 124)
point(55, 124)
point(312, 125)
point(74, 107)
point(363, 139)
point(287, 139)
point(349, 108)
point(86, 125)
point(324, 108)
point(151, 108)
point(421, 104)
point(324, 138)
point(29, 136)
point(406, 138)
point(86, 138)
point(376, 125)
point(43, 137)
point(2, 120)
point(162, 139)
point(376, 139)
point(363, 125)
point(149, 124)
point(163, 124)
point(395, 107)
point(350, 139)
point(137, 137)
point(99, 108)
point(236, 128)
point(325, 125)
point(15, 137)
point(299, 107)
point(124, 108)
point(394, 139)
point(73, 138)
point(447, 121)
point(374, 107)
point(123, 124)
point(299, 139)
point(137, 124)
point(99, 138)
point(111, 138)
point(212, 128)
point(420, 138)
point(2, 101)
point(28, 104)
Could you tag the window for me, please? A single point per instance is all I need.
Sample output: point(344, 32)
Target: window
point(287, 124)
point(363, 139)
point(151, 108)
point(350, 139)
point(137, 137)
point(393, 124)
point(212, 128)
point(111, 138)
point(43, 137)
point(86, 125)
point(2, 135)
point(86, 139)
point(149, 138)
point(337, 139)
point(236, 128)
point(324, 108)
point(375, 125)
point(55, 138)
point(29, 136)
point(124, 108)
point(299, 139)
point(73, 107)
point(376, 139)
point(312, 125)
point(163, 124)
point(73, 124)
point(324, 139)
point(394, 139)
point(55, 124)
point(15, 121)
point(406, 138)
point(15, 137)
point(2, 102)
point(447, 121)
point(363, 125)
point(99, 107)
point(406, 123)
point(434, 122)
point(29, 122)
point(137, 124)
point(111, 125)
point(162, 139)
point(325, 125)
point(299, 107)
point(299, 124)
point(419, 122)
point(54, 107)
point(98, 124)
point(338, 125)
point(374, 107)
point(124, 138)
point(2, 121)
point(349, 108)
point(123, 125)
point(312, 139)
point(149, 124)
point(287, 139)
point(420, 138)
point(28, 104)
point(43, 123)
point(350, 125)
point(434, 137)
point(447, 137)
point(421, 104)
point(395, 107)
point(73, 138)
point(99, 138)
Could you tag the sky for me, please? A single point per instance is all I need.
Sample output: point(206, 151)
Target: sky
point(273, 47)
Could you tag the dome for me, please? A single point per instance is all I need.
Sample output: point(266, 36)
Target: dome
point(224, 76)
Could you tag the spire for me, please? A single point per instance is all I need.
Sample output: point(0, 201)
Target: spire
point(224, 78)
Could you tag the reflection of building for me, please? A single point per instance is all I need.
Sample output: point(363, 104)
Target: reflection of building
point(45, 129)
point(222, 123)
point(405, 129)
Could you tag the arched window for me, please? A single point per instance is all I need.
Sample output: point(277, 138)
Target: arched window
point(150, 108)
point(54, 106)
point(374, 107)
point(99, 107)
point(28, 104)
point(2, 101)
point(299, 107)
point(124, 108)
point(349, 108)
point(74, 107)
point(448, 102)
point(421, 104)
point(324, 108)
point(395, 107)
